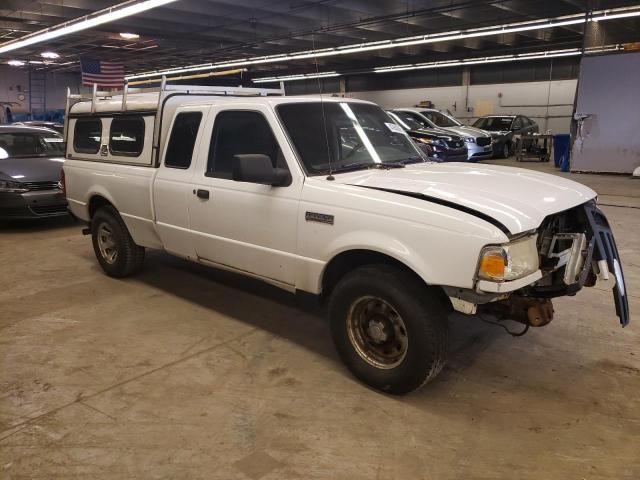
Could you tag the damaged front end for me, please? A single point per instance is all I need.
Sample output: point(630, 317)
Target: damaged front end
point(576, 248)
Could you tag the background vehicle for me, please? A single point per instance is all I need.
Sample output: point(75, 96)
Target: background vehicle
point(30, 165)
point(478, 141)
point(503, 128)
point(439, 146)
point(328, 197)
point(58, 127)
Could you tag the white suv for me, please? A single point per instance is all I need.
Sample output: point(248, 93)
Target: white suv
point(329, 197)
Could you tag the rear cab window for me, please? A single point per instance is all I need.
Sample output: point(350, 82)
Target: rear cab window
point(182, 140)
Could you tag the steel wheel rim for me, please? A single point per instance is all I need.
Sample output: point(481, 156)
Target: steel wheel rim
point(107, 244)
point(377, 332)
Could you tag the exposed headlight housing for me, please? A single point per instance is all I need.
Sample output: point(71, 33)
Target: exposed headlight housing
point(12, 187)
point(511, 261)
point(469, 139)
point(432, 141)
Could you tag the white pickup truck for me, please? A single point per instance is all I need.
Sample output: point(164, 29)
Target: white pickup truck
point(328, 196)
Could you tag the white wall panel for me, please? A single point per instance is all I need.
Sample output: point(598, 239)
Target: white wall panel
point(483, 99)
point(609, 140)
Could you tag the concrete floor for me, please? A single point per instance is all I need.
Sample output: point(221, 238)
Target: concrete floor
point(186, 372)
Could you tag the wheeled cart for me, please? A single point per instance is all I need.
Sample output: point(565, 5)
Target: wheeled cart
point(536, 147)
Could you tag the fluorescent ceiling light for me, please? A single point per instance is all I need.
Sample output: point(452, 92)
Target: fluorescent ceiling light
point(613, 16)
point(49, 55)
point(15, 63)
point(129, 36)
point(449, 63)
point(498, 59)
point(540, 24)
point(100, 17)
point(289, 78)
point(478, 61)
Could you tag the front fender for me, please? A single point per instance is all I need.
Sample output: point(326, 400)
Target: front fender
point(436, 256)
point(384, 243)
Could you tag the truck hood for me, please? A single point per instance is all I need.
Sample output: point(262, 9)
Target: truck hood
point(32, 169)
point(465, 131)
point(516, 198)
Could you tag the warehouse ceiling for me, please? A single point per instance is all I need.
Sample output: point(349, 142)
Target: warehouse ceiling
point(201, 31)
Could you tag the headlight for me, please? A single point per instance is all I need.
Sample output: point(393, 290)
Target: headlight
point(432, 141)
point(12, 187)
point(511, 261)
point(469, 139)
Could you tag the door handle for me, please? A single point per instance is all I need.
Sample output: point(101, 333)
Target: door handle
point(204, 194)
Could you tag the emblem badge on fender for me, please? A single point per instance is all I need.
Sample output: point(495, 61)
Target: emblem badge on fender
point(318, 217)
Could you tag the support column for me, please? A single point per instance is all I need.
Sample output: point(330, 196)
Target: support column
point(466, 81)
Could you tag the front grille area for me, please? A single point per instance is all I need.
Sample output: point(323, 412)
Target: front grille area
point(483, 141)
point(455, 144)
point(48, 209)
point(33, 186)
point(6, 212)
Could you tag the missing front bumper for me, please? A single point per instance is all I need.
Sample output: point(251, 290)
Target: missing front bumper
point(592, 255)
point(569, 262)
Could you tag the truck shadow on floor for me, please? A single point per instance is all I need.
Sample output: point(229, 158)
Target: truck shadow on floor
point(483, 359)
point(301, 320)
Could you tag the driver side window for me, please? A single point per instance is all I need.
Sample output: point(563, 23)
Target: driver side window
point(517, 123)
point(238, 132)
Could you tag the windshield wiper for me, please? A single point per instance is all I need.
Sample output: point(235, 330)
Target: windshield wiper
point(367, 166)
point(409, 160)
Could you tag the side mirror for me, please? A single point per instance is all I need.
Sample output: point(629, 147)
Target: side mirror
point(257, 168)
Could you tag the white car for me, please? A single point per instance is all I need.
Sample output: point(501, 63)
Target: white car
point(328, 197)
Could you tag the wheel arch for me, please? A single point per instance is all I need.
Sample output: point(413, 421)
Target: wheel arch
point(348, 260)
point(96, 202)
point(141, 230)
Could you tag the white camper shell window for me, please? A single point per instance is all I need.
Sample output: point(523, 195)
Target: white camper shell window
point(125, 139)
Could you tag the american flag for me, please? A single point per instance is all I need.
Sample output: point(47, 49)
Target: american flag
point(105, 74)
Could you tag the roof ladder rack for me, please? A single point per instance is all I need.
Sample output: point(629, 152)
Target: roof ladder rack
point(163, 91)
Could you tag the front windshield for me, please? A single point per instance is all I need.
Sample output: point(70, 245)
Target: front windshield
point(30, 144)
point(440, 119)
point(353, 136)
point(494, 124)
point(407, 121)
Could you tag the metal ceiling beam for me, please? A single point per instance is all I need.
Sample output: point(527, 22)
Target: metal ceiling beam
point(200, 31)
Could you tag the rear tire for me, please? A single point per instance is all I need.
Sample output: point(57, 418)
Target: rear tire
point(117, 253)
point(506, 150)
point(389, 328)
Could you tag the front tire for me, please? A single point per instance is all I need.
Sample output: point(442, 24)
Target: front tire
point(390, 329)
point(117, 253)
